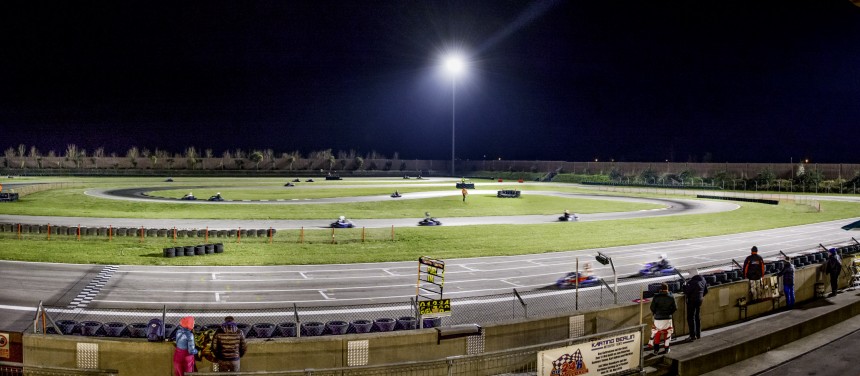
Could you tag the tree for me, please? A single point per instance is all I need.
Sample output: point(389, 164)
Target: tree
point(290, 160)
point(191, 157)
point(648, 176)
point(132, 154)
point(359, 162)
point(331, 161)
point(256, 157)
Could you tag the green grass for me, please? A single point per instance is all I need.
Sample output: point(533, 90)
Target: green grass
point(410, 243)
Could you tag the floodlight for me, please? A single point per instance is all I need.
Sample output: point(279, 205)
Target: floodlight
point(454, 64)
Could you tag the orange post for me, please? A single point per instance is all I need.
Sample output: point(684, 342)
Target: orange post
point(362, 234)
point(79, 231)
point(206, 238)
point(332, 235)
point(174, 234)
point(271, 235)
point(49, 231)
point(110, 233)
point(19, 231)
point(392, 232)
point(301, 235)
point(239, 235)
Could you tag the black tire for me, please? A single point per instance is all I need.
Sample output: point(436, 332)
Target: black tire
point(170, 252)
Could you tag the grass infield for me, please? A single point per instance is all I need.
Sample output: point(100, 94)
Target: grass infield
point(377, 245)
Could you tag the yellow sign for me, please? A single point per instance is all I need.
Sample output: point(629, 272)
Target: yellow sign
point(440, 307)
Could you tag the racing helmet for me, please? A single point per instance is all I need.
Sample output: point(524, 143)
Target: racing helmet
point(663, 256)
point(342, 218)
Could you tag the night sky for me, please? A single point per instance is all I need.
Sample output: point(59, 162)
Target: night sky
point(734, 81)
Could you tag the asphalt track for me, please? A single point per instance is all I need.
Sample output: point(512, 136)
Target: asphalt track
point(330, 286)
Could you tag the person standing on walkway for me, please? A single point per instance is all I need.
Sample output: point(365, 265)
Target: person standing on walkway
point(787, 274)
point(183, 355)
point(662, 308)
point(833, 267)
point(754, 271)
point(694, 293)
point(229, 346)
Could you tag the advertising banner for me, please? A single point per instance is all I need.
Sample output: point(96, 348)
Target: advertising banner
point(602, 356)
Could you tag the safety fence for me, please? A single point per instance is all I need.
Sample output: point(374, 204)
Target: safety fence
point(20, 369)
point(165, 237)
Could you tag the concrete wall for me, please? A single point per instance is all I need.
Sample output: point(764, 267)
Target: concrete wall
point(133, 357)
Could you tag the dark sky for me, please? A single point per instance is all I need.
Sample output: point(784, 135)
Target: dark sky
point(740, 81)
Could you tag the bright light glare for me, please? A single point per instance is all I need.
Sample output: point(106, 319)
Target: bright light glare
point(454, 64)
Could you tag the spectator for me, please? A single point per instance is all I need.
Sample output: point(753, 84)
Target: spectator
point(465, 192)
point(754, 271)
point(694, 293)
point(833, 267)
point(183, 355)
point(787, 274)
point(662, 308)
point(229, 346)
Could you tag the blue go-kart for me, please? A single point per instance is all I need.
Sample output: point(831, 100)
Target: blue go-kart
point(653, 269)
point(342, 223)
point(430, 222)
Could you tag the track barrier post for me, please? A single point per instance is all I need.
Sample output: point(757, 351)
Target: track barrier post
point(49, 231)
point(174, 234)
point(302, 235)
point(19, 231)
point(332, 236)
point(239, 236)
point(206, 238)
point(362, 234)
point(392, 232)
point(141, 233)
point(271, 235)
point(79, 231)
point(110, 233)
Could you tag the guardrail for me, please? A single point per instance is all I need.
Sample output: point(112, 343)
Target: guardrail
point(15, 369)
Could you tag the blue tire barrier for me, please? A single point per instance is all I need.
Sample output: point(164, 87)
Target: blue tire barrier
point(90, 328)
point(219, 248)
point(711, 280)
point(384, 324)
point(731, 275)
point(114, 329)
point(654, 287)
point(199, 250)
point(362, 326)
point(432, 322)
point(768, 268)
point(169, 331)
point(189, 250)
point(170, 252)
point(721, 277)
point(263, 330)
point(312, 328)
point(287, 329)
point(337, 327)
point(137, 330)
point(67, 326)
point(210, 249)
point(674, 286)
point(245, 328)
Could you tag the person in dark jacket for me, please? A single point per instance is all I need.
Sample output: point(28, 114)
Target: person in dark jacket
point(694, 293)
point(787, 274)
point(662, 308)
point(754, 271)
point(833, 267)
point(229, 346)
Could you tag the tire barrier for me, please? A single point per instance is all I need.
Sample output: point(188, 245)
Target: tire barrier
point(384, 324)
point(193, 250)
point(263, 330)
point(132, 232)
point(362, 326)
point(312, 328)
point(137, 330)
point(114, 329)
point(406, 323)
point(337, 327)
point(90, 328)
point(287, 329)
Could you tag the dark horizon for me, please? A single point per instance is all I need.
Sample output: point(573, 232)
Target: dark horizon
point(552, 80)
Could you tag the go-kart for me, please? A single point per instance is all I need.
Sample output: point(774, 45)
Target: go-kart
point(342, 224)
point(570, 280)
point(216, 198)
point(169, 180)
point(296, 180)
point(188, 198)
point(309, 181)
point(289, 185)
point(430, 222)
point(569, 218)
point(396, 195)
point(652, 269)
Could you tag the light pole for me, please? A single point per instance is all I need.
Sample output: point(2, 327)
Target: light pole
point(455, 66)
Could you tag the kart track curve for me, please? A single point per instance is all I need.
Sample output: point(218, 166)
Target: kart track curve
point(329, 287)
